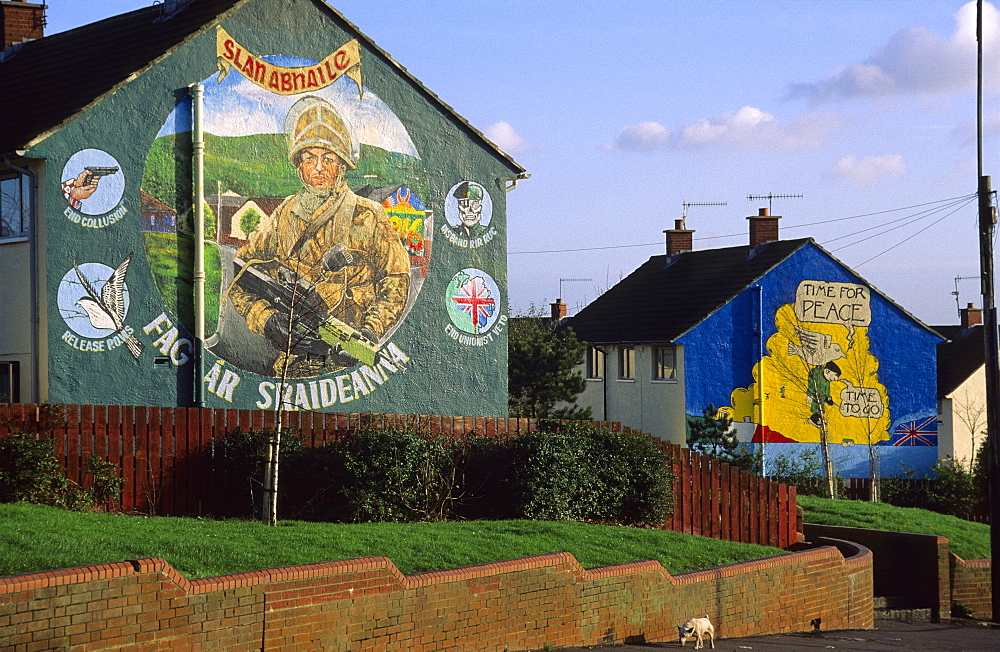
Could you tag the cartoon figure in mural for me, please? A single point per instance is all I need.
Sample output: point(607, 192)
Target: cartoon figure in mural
point(326, 272)
point(818, 390)
point(818, 350)
point(85, 184)
point(817, 380)
point(470, 210)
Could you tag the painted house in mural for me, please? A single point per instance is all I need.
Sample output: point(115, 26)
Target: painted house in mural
point(962, 387)
point(354, 239)
point(780, 336)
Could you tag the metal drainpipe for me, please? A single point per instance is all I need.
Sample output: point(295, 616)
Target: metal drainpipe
point(604, 381)
point(198, 190)
point(760, 378)
point(36, 355)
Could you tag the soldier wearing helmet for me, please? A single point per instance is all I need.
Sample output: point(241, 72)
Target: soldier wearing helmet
point(470, 210)
point(341, 245)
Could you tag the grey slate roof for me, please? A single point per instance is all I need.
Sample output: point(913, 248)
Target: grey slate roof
point(959, 357)
point(49, 81)
point(659, 304)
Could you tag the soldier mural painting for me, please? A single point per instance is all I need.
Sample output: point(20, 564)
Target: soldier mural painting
point(332, 258)
point(325, 278)
point(247, 218)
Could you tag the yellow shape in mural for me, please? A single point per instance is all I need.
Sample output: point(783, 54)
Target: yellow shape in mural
point(815, 372)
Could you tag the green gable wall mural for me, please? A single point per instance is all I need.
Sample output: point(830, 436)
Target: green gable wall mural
point(354, 244)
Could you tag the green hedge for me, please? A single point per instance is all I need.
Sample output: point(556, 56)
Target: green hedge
point(571, 471)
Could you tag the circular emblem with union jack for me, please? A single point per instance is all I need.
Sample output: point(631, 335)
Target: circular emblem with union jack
point(473, 301)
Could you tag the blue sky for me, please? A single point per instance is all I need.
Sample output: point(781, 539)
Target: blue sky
point(622, 111)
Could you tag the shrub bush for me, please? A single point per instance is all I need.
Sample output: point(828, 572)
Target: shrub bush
point(30, 472)
point(952, 489)
point(803, 470)
point(566, 471)
point(579, 471)
point(393, 476)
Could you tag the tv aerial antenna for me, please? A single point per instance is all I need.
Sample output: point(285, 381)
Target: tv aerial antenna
point(958, 301)
point(688, 204)
point(770, 197)
point(570, 280)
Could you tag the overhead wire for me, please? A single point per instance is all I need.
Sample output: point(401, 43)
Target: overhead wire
point(885, 251)
point(901, 222)
point(942, 204)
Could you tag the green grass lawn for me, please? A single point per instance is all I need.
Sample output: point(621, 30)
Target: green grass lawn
point(36, 538)
point(968, 540)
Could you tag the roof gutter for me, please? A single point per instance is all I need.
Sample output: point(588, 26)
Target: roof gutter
point(514, 181)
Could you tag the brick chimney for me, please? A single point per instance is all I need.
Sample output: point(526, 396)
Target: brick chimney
point(763, 227)
point(21, 21)
point(971, 316)
point(558, 310)
point(679, 239)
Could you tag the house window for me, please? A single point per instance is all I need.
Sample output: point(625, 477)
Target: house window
point(626, 362)
point(664, 363)
point(15, 218)
point(595, 362)
point(10, 382)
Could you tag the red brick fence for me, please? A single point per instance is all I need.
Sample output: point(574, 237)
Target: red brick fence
point(165, 456)
point(920, 569)
point(367, 604)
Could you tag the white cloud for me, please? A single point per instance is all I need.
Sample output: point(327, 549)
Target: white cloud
point(505, 137)
point(748, 127)
point(869, 168)
point(916, 61)
point(642, 137)
point(752, 128)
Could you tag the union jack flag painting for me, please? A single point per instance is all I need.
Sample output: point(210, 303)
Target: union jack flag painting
point(475, 299)
point(916, 433)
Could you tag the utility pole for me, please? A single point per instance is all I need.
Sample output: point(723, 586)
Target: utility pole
point(986, 226)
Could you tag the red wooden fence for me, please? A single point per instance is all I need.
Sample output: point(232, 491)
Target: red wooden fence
point(160, 452)
point(715, 499)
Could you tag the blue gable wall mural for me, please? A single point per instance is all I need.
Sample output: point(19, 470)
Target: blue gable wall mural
point(812, 349)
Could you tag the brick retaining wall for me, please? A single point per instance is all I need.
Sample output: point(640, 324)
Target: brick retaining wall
point(367, 604)
point(971, 585)
point(919, 569)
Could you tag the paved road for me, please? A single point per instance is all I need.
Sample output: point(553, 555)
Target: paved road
point(887, 635)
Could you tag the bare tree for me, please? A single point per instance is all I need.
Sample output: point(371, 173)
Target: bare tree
point(308, 341)
point(971, 411)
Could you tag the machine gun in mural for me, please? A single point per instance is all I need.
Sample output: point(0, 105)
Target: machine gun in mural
point(295, 296)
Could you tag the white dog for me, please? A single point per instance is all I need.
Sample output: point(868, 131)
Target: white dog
point(697, 627)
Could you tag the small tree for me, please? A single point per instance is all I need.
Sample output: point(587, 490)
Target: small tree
point(713, 434)
point(209, 223)
point(541, 369)
point(249, 221)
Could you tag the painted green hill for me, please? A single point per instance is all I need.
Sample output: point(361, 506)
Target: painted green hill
point(258, 166)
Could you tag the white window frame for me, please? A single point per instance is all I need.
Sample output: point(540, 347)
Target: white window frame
point(596, 367)
point(15, 202)
point(626, 363)
point(659, 373)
